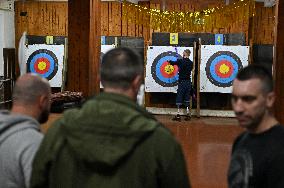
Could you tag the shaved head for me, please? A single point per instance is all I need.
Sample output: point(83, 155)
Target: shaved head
point(29, 87)
point(31, 96)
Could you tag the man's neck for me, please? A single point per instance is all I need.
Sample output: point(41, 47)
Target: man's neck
point(126, 92)
point(25, 110)
point(267, 123)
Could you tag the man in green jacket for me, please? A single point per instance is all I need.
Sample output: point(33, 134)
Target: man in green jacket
point(111, 142)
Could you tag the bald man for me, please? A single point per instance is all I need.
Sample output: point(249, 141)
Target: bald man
point(20, 135)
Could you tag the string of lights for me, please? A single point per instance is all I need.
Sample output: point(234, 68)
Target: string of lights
point(173, 21)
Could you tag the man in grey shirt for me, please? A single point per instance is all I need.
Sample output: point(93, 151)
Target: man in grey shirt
point(20, 134)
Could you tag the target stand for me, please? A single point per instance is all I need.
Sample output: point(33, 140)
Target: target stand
point(218, 66)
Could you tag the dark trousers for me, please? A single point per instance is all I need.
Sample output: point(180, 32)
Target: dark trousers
point(183, 93)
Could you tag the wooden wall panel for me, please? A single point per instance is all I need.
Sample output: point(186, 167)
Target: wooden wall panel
point(42, 18)
point(113, 23)
point(104, 19)
point(115, 19)
point(263, 20)
point(154, 6)
point(264, 24)
point(50, 18)
point(124, 24)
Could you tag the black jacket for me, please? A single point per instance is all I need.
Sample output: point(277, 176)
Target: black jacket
point(185, 66)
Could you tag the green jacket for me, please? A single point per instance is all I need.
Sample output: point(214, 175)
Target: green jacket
point(109, 143)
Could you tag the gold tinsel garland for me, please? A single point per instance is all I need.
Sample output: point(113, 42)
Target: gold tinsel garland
point(172, 21)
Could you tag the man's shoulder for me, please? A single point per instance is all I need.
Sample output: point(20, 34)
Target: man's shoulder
point(22, 132)
point(279, 128)
point(27, 136)
point(277, 134)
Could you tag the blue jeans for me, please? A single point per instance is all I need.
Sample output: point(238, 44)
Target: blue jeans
point(183, 93)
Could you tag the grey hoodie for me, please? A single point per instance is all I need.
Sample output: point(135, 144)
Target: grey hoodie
point(19, 141)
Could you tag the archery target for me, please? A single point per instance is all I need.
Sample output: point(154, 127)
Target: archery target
point(160, 75)
point(46, 61)
point(220, 66)
point(104, 50)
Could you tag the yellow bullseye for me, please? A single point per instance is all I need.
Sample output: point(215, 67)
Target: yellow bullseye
point(224, 69)
point(169, 69)
point(41, 65)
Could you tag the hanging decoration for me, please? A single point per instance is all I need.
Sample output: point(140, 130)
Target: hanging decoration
point(171, 21)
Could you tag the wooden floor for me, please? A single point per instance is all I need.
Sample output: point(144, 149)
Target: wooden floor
point(206, 144)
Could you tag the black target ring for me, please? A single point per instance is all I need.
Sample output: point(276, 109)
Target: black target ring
point(158, 75)
point(43, 62)
point(222, 68)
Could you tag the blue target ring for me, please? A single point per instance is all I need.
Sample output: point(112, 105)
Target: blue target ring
point(213, 71)
point(46, 56)
point(159, 73)
point(233, 63)
point(158, 62)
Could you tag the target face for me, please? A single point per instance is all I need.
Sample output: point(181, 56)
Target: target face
point(222, 68)
point(46, 61)
point(163, 72)
point(43, 62)
point(220, 65)
point(160, 75)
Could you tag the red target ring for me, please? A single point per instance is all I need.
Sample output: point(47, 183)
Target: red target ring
point(43, 62)
point(168, 70)
point(224, 69)
point(42, 65)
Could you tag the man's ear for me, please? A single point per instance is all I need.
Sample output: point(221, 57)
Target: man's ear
point(43, 101)
point(270, 99)
point(137, 83)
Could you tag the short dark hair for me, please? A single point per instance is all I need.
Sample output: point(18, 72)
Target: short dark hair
point(187, 51)
point(119, 68)
point(259, 72)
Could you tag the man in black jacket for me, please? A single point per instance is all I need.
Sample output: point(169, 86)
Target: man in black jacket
point(185, 66)
point(258, 153)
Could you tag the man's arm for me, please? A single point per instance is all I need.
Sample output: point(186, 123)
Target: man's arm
point(175, 62)
point(29, 149)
